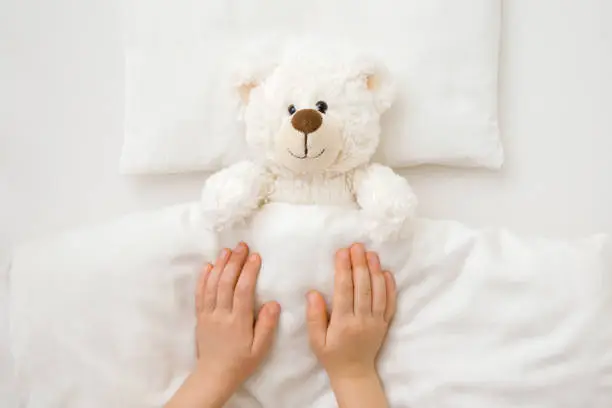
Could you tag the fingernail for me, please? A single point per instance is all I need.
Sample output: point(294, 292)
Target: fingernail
point(208, 268)
point(253, 258)
point(273, 309)
point(373, 257)
point(239, 248)
point(343, 254)
point(358, 247)
point(224, 253)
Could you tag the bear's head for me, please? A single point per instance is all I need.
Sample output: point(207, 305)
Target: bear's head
point(310, 113)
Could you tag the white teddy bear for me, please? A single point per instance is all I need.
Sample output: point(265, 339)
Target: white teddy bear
point(313, 124)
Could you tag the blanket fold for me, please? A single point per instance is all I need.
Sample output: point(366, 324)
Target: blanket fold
point(103, 316)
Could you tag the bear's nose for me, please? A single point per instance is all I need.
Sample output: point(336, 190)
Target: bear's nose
point(306, 120)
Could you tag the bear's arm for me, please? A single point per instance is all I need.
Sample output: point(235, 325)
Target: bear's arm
point(232, 194)
point(386, 199)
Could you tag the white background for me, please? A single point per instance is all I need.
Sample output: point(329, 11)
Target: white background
point(61, 90)
point(61, 103)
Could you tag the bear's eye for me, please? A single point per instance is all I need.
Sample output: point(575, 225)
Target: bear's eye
point(291, 109)
point(321, 106)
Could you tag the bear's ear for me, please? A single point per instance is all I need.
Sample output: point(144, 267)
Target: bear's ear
point(244, 85)
point(250, 77)
point(244, 91)
point(377, 79)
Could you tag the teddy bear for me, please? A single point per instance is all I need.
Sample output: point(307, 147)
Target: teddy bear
point(313, 123)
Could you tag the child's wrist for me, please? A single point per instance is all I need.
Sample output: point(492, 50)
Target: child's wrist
point(350, 378)
point(212, 388)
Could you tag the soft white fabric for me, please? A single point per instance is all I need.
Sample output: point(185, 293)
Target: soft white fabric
point(7, 386)
point(313, 125)
point(103, 316)
point(317, 109)
point(179, 111)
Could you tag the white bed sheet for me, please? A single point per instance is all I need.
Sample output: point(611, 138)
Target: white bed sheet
point(61, 125)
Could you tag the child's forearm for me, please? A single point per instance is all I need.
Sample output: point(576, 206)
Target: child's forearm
point(359, 392)
point(198, 392)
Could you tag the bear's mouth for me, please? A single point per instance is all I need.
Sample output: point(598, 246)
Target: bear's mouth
point(305, 156)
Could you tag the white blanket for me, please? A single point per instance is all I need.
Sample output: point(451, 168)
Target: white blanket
point(104, 316)
point(179, 114)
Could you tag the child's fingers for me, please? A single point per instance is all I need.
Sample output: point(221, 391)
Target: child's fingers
point(316, 316)
point(361, 279)
point(200, 285)
point(244, 295)
point(229, 277)
point(379, 289)
point(343, 284)
point(210, 292)
point(391, 296)
point(265, 326)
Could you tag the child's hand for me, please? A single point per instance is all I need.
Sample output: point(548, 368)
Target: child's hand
point(231, 343)
point(363, 305)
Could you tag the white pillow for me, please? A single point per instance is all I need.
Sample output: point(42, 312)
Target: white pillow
point(103, 317)
point(180, 116)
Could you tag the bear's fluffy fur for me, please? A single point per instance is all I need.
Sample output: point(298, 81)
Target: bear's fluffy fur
point(313, 124)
